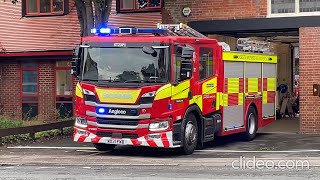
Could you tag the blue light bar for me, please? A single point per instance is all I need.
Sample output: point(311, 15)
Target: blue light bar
point(105, 30)
point(109, 31)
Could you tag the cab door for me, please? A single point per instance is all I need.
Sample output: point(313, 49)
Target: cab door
point(206, 79)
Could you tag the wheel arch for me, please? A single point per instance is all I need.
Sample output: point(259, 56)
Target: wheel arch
point(194, 109)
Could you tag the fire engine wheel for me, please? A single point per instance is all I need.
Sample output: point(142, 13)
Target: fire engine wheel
point(252, 125)
point(104, 147)
point(189, 135)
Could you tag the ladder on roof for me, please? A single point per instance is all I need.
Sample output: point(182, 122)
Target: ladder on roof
point(185, 30)
point(180, 30)
point(243, 44)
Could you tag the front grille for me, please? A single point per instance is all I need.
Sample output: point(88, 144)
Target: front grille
point(124, 135)
point(133, 122)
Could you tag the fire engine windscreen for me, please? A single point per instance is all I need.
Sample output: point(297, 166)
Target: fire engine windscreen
point(126, 65)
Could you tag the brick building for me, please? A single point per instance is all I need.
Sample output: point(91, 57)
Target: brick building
point(36, 42)
point(292, 26)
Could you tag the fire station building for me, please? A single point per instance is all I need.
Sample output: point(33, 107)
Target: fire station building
point(36, 42)
point(292, 26)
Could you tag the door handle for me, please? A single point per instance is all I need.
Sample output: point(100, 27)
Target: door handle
point(190, 96)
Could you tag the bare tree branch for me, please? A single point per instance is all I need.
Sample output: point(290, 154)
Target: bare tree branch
point(102, 11)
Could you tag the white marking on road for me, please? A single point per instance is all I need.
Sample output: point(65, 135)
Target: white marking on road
point(51, 167)
point(52, 147)
point(90, 151)
point(271, 151)
point(86, 167)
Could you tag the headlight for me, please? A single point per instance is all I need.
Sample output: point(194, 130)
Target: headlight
point(149, 94)
point(159, 126)
point(81, 122)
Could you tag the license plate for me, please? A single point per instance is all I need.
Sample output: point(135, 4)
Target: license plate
point(115, 141)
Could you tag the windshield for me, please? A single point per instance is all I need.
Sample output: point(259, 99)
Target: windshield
point(126, 64)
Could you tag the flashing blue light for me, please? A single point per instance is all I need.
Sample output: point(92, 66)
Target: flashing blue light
point(93, 31)
point(170, 107)
point(105, 30)
point(101, 110)
point(108, 31)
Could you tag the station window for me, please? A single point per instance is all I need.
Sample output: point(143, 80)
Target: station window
point(30, 93)
point(206, 63)
point(293, 7)
point(138, 5)
point(44, 7)
point(64, 89)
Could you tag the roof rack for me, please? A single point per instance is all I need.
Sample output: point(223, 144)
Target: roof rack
point(180, 30)
point(185, 30)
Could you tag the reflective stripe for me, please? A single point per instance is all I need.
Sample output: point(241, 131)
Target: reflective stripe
point(240, 99)
point(163, 92)
point(79, 91)
point(271, 84)
point(252, 85)
point(219, 100)
point(225, 99)
point(196, 100)
point(181, 91)
point(210, 86)
point(233, 85)
point(265, 97)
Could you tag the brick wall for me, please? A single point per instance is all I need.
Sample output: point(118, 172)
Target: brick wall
point(10, 100)
point(213, 9)
point(10, 90)
point(309, 75)
point(46, 91)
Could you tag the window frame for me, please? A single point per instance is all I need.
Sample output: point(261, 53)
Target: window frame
point(63, 68)
point(296, 13)
point(135, 10)
point(25, 13)
point(37, 69)
point(213, 63)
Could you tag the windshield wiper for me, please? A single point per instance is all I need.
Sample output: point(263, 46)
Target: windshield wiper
point(156, 81)
point(101, 81)
point(96, 80)
point(134, 81)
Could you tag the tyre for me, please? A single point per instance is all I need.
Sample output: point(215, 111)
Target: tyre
point(189, 138)
point(252, 125)
point(104, 147)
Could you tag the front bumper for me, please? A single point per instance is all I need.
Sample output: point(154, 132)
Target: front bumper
point(164, 139)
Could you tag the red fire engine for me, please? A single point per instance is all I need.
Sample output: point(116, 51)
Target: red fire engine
point(169, 87)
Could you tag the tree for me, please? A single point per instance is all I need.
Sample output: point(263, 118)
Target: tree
point(92, 13)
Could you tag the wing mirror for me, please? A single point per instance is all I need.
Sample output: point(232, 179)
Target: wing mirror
point(76, 60)
point(150, 50)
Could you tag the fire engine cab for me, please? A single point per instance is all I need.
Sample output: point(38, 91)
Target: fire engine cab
point(170, 87)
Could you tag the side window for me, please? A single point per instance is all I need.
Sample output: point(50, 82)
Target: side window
point(182, 64)
point(177, 63)
point(206, 63)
